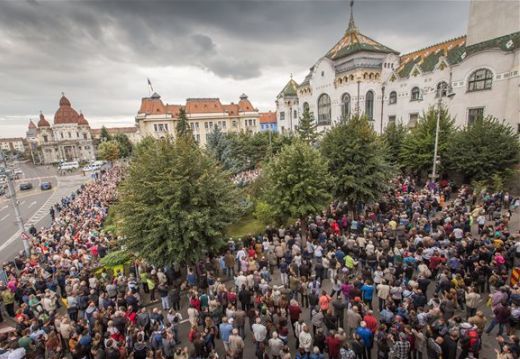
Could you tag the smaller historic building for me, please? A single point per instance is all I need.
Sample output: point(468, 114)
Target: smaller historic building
point(268, 121)
point(68, 139)
point(13, 145)
point(159, 120)
point(131, 132)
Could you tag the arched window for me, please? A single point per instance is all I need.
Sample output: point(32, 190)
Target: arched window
point(479, 80)
point(392, 99)
point(324, 109)
point(305, 106)
point(442, 89)
point(345, 105)
point(369, 105)
point(416, 94)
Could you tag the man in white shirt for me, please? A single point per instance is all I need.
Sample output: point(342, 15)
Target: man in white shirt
point(259, 331)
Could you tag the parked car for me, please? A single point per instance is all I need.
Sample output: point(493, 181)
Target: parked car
point(69, 165)
point(25, 186)
point(44, 186)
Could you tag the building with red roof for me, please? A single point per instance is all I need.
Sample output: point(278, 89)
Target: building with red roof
point(158, 119)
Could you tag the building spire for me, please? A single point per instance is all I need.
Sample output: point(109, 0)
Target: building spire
point(351, 24)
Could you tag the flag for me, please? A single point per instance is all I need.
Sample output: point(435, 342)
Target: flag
point(150, 84)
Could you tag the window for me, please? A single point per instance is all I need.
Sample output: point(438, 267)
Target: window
point(442, 89)
point(70, 134)
point(61, 134)
point(391, 119)
point(475, 114)
point(306, 106)
point(234, 123)
point(45, 139)
point(223, 124)
point(345, 106)
point(416, 94)
point(166, 127)
point(324, 109)
point(197, 137)
point(210, 124)
point(197, 125)
point(412, 122)
point(84, 136)
point(206, 125)
point(482, 79)
point(77, 134)
point(155, 128)
point(254, 121)
point(369, 105)
point(392, 99)
point(295, 114)
point(192, 125)
point(161, 127)
point(282, 116)
point(86, 147)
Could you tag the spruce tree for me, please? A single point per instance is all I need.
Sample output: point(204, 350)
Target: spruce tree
point(307, 127)
point(183, 127)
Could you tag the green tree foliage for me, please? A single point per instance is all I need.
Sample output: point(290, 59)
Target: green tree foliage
point(109, 150)
point(244, 150)
point(104, 135)
point(307, 127)
point(125, 146)
point(393, 137)
point(298, 182)
point(485, 148)
point(217, 143)
point(417, 148)
point(183, 127)
point(175, 202)
point(356, 158)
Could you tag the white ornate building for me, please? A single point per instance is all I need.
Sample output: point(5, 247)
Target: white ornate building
point(157, 119)
point(68, 139)
point(476, 74)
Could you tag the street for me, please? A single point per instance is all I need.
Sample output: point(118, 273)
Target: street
point(34, 204)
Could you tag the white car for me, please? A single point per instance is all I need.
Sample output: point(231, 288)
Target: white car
point(69, 165)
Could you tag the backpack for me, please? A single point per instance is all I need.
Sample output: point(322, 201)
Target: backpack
point(474, 341)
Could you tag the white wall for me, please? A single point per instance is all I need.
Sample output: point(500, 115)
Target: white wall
point(506, 19)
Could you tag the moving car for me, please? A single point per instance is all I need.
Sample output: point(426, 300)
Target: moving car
point(44, 186)
point(25, 186)
point(69, 165)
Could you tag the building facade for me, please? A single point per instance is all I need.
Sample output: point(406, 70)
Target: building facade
point(68, 139)
point(13, 145)
point(131, 132)
point(268, 121)
point(475, 75)
point(159, 120)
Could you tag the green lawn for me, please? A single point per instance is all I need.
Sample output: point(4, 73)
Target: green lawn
point(245, 226)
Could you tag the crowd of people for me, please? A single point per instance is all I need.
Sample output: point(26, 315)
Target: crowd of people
point(408, 277)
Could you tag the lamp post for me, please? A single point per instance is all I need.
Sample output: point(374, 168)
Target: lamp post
point(449, 94)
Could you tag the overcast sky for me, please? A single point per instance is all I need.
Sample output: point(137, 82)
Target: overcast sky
point(100, 53)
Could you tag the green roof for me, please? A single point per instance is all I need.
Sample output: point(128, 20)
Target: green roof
point(405, 71)
point(352, 42)
point(291, 89)
point(429, 62)
point(509, 42)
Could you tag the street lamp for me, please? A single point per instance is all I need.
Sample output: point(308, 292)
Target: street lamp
point(449, 94)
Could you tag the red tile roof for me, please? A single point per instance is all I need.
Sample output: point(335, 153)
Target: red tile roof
point(31, 124)
point(267, 117)
point(204, 105)
point(82, 120)
point(43, 122)
point(65, 114)
point(232, 109)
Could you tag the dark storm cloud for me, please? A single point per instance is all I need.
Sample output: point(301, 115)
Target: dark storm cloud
point(97, 48)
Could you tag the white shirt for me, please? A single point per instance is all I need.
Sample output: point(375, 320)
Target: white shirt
point(259, 332)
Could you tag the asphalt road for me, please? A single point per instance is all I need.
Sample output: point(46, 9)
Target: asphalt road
point(34, 204)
